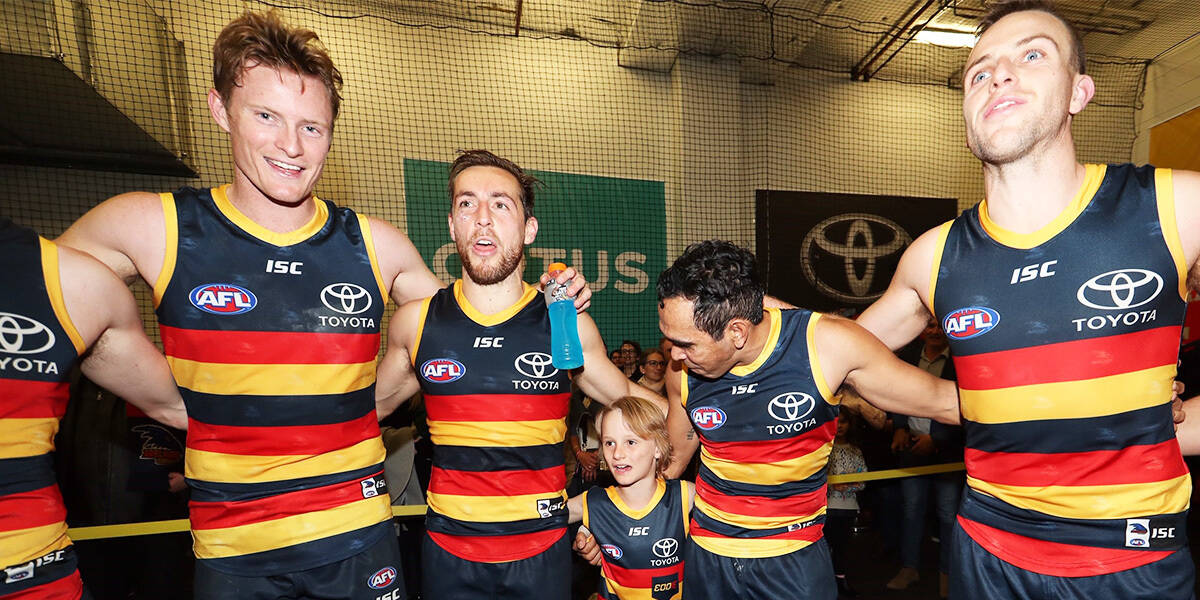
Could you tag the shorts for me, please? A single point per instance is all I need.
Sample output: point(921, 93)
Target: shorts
point(545, 576)
point(56, 578)
point(804, 574)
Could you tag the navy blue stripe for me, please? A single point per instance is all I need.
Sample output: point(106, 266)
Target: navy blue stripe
point(304, 556)
point(1142, 427)
point(467, 458)
point(279, 411)
point(725, 529)
point(26, 473)
point(209, 491)
point(47, 573)
point(443, 524)
point(1102, 533)
point(782, 490)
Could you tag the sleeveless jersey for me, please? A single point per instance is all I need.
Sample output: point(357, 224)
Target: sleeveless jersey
point(1065, 343)
point(497, 417)
point(38, 346)
point(766, 430)
point(642, 549)
point(272, 339)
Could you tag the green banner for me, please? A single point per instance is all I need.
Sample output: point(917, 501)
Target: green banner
point(620, 253)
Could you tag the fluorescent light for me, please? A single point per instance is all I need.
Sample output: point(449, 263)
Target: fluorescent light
point(946, 37)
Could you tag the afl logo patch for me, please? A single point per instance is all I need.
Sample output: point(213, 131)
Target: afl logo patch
point(612, 551)
point(966, 323)
point(442, 370)
point(708, 418)
point(222, 298)
point(382, 578)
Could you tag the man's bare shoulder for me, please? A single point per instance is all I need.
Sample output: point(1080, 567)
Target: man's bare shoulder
point(84, 279)
point(400, 264)
point(125, 232)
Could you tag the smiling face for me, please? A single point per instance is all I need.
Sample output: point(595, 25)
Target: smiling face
point(280, 126)
point(655, 366)
point(630, 457)
point(1020, 88)
point(488, 224)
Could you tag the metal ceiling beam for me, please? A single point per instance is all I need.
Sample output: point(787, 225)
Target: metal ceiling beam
point(883, 50)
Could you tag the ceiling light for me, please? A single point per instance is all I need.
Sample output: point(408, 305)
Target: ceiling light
point(953, 38)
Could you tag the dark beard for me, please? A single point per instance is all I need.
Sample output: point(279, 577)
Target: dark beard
point(484, 275)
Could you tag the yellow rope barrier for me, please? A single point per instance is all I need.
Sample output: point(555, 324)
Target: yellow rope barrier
point(100, 532)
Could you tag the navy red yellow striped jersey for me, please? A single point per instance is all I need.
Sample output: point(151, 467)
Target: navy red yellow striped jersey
point(497, 417)
point(766, 430)
point(38, 346)
point(641, 550)
point(1065, 341)
point(272, 339)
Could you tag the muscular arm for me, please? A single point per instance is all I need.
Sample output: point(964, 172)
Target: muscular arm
point(683, 434)
point(122, 359)
point(849, 352)
point(125, 232)
point(404, 273)
point(599, 378)
point(395, 379)
point(898, 316)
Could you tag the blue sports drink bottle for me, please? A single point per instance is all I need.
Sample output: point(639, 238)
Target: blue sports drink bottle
point(565, 350)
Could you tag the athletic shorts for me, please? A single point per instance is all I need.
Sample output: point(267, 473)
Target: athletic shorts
point(804, 574)
point(373, 574)
point(51, 577)
point(977, 573)
point(544, 576)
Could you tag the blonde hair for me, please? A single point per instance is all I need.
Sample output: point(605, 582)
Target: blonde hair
point(646, 420)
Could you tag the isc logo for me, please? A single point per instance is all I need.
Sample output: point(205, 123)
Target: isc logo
point(966, 323)
point(222, 298)
point(382, 578)
point(708, 417)
point(442, 370)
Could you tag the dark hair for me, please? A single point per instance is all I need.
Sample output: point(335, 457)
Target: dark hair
point(655, 350)
point(637, 348)
point(482, 158)
point(1002, 8)
point(257, 38)
point(721, 281)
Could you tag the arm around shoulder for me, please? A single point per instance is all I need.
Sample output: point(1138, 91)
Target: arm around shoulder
point(127, 233)
point(400, 264)
point(898, 316)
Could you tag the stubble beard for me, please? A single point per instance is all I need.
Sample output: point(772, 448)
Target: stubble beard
point(490, 274)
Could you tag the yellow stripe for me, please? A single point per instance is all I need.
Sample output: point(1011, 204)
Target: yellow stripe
point(748, 548)
point(290, 531)
point(753, 522)
point(365, 226)
point(489, 509)
point(683, 388)
point(1084, 399)
point(768, 347)
point(1093, 177)
point(320, 215)
point(271, 380)
point(420, 327)
point(1095, 501)
point(687, 507)
point(1164, 187)
point(496, 318)
point(170, 247)
point(938, 249)
point(659, 490)
point(498, 434)
point(814, 362)
point(24, 437)
point(784, 471)
point(235, 468)
point(20, 546)
point(54, 288)
point(100, 532)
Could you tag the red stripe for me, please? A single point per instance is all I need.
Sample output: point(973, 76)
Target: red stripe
point(216, 515)
point(811, 533)
point(281, 440)
point(25, 399)
point(497, 483)
point(772, 451)
point(639, 578)
point(497, 548)
point(1055, 559)
point(761, 506)
point(35, 508)
point(1135, 464)
point(69, 587)
point(269, 347)
point(497, 407)
point(1069, 361)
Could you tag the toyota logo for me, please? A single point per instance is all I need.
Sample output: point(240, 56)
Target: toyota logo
point(851, 244)
point(791, 406)
point(346, 298)
point(21, 335)
point(666, 547)
point(535, 364)
point(1120, 289)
